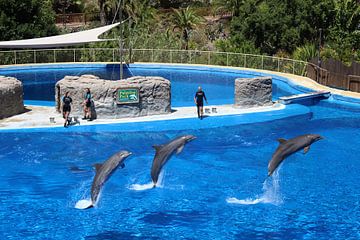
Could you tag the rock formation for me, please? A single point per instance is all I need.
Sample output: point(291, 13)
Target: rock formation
point(253, 92)
point(154, 95)
point(11, 97)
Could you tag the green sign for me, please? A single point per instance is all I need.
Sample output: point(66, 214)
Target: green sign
point(128, 95)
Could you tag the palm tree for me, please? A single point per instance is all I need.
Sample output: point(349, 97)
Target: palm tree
point(186, 20)
point(139, 11)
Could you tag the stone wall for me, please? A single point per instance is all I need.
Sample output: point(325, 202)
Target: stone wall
point(253, 92)
point(154, 96)
point(11, 97)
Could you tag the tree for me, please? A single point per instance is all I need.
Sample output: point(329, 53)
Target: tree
point(344, 34)
point(277, 25)
point(26, 19)
point(186, 20)
point(232, 6)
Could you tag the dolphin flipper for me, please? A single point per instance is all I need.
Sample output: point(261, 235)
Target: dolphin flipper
point(179, 150)
point(306, 149)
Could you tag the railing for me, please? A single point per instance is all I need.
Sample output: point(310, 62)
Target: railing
point(154, 55)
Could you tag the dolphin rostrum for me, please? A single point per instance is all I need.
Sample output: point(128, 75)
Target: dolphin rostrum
point(288, 147)
point(103, 173)
point(164, 152)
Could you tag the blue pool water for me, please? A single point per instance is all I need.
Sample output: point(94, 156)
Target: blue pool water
point(218, 84)
point(316, 196)
point(215, 189)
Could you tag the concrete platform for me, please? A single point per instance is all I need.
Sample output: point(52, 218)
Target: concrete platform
point(39, 117)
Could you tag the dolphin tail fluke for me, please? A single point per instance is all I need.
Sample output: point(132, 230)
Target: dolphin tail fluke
point(84, 204)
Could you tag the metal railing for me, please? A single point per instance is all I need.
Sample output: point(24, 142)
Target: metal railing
point(79, 55)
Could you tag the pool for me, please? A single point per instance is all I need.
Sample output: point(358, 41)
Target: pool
point(218, 83)
point(313, 196)
point(316, 196)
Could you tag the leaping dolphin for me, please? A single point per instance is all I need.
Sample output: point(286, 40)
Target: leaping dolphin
point(164, 152)
point(288, 147)
point(103, 173)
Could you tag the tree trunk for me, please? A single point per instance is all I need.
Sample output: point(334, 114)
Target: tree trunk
point(186, 39)
point(102, 12)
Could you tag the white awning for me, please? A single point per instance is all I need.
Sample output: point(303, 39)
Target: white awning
point(69, 39)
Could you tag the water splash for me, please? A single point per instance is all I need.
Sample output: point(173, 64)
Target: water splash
point(150, 185)
point(141, 187)
point(83, 204)
point(82, 192)
point(271, 193)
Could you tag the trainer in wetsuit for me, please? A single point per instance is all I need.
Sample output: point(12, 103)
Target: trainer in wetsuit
point(199, 101)
point(87, 105)
point(66, 108)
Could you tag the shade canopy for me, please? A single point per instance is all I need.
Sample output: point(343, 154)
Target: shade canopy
point(70, 39)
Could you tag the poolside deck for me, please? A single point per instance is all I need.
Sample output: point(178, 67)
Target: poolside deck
point(39, 117)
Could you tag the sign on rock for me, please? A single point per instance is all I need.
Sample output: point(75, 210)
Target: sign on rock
point(127, 95)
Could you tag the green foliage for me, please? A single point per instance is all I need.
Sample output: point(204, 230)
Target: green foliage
point(26, 19)
point(185, 21)
point(344, 34)
point(244, 46)
point(305, 53)
point(232, 6)
point(280, 27)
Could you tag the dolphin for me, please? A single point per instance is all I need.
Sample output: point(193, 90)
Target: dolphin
point(164, 152)
point(288, 147)
point(103, 173)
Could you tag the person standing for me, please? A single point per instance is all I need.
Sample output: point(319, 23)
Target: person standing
point(199, 101)
point(87, 105)
point(66, 101)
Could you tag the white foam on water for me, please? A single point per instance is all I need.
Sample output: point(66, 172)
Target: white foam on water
point(271, 193)
point(150, 185)
point(141, 187)
point(247, 201)
point(83, 204)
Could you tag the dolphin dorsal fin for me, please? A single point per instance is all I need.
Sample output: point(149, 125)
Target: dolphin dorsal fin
point(97, 166)
point(157, 147)
point(282, 140)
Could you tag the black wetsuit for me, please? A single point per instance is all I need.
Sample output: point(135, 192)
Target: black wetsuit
point(66, 104)
point(200, 96)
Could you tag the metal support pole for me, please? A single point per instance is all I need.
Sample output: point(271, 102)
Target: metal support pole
point(74, 55)
point(121, 39)
point(34, 56)
point(54, 56)
point(278, 65)
point(227, 59)
point(15, 57)
point(293, 67)
point(262, 62)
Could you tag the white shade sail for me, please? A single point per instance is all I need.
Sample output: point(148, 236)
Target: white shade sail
point(69, 39)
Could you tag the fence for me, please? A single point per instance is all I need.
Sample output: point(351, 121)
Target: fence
point(154, 55)
point(80, 18)
point(335, 74)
